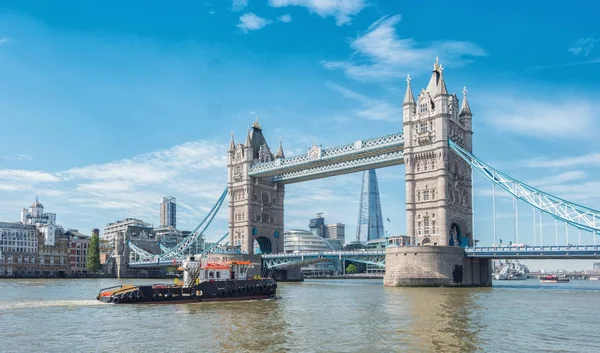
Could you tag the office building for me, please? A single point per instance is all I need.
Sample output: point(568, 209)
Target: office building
point(370, 219)
point(168, 212)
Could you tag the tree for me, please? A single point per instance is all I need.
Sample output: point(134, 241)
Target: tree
point(93, 255)
point(351, 269)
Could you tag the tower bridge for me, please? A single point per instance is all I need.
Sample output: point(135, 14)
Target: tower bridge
point(436, 148)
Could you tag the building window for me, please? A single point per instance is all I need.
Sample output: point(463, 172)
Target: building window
point(418, 196)
point(426, 195)
point(433, 195)
point(425, 166)
point(257, 218)
point(432, 165)
point(265, 197)
point(423, 107)
point(418, 167)
point(426, 225)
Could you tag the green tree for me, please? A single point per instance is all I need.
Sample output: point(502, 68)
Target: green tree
point(93, 256)
point(351, 269)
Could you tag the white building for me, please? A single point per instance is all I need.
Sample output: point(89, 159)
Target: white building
point(113, 229)
point(45, 222)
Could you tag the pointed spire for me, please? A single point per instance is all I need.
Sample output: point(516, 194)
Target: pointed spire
point(437, 85)
point(280, 150)
point(256, 124)
point(442, 84)
point(247, 144)
point(231, 143)
point(408, 96)
point(36, 198)
point(464, 108)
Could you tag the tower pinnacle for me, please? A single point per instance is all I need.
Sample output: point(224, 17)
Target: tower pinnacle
point(280, 150)
point(464, 108)
point(231, 143)
point(408, 96)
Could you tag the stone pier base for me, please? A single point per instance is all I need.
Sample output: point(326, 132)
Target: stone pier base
point(434, 266)
point(288, 275)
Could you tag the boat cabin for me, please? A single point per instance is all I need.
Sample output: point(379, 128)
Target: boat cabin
point(215, 271)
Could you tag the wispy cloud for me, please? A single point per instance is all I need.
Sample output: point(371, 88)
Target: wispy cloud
point(587, 160)
point(570, 118)
point(238, 5)
point(379, 53)
point(342, 10)
point(19, 157)
point(285, 18)
point(252, 22)
point(558, 66)
point(4, 40)
point(371, 109)
point(583, 46)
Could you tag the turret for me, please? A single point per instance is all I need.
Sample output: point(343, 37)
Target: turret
point(465, 114)
point(231, 144)
point(280, 150)
point(409, 105)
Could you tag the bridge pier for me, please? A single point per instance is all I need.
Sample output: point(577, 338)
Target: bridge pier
point(435, 266)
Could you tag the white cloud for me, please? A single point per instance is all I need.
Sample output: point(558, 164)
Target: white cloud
point(285, 18)
point(379, 53)
point(19, 157)
point(371, 109)
point(4, 40)
point(589, 160)
point(342, 10)
point(252, 22)
point(211, 12)
point(583, 46)
point(568, 118)
point(238, 5)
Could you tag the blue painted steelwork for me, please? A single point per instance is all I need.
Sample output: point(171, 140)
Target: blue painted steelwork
point(578, 216)
point(318, 163)
point(377, 257)
point(158, 261)
point(535, 252)
point(286, 260)
point(352, 166)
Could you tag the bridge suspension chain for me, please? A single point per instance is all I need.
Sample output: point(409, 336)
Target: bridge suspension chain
point(197, 232)
point(578, 216)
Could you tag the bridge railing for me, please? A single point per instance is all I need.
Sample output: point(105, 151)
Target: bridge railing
point(263, 168)
point(325, 253)
point(533, 248)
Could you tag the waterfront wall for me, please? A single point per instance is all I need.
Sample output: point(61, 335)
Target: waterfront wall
point(433, 266)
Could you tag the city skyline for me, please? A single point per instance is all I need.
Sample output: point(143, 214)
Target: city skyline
point(149, 103)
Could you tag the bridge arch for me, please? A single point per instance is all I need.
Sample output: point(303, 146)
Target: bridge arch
point(458, 235)
point(263, 244)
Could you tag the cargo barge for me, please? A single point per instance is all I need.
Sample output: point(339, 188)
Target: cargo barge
point(202, 282)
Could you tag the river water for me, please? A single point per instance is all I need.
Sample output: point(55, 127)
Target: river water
point(46, 315)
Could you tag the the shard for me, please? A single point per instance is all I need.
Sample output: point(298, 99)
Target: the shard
point(370, 219)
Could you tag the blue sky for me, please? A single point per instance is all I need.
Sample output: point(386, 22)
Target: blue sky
point(106, 109)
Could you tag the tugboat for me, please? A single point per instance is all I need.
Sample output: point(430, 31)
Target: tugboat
point(202, 282)
point(554, 279)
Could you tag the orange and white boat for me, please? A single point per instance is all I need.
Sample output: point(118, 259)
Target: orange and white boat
point(201, 282)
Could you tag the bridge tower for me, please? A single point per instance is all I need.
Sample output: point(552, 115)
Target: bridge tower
point(255, 204)
point(439, 203)
point(438, 183)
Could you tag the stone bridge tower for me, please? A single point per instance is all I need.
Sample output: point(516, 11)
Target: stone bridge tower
point(439, 203)
point(255, 204)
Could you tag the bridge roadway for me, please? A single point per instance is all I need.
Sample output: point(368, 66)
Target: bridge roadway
point(377, 257)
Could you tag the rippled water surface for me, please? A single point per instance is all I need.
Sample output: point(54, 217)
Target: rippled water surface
point(314, 316)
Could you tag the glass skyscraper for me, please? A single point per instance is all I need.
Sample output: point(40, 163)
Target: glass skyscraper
point(370, 219)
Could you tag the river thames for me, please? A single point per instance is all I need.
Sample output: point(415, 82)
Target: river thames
point(41, 315)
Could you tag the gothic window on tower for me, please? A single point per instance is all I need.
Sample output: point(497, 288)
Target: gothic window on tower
point(432, 194)
point(425, 166)
point(433, 228)
point(254, 197)
point(426, 195)
point(426, 225)
point(265, 197)
point(257, 218)
point(423, 107)
point(418, 196)
point(432, 165)
point(418, 167)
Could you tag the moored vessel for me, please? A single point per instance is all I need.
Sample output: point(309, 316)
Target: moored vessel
point(202, 281)
point(554, 279)
point(512, 271)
